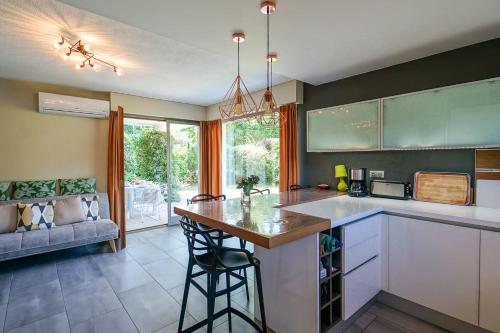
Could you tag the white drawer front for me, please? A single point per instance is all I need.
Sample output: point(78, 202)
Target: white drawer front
point(360, 286)
point(358, 232)
point(358, 254)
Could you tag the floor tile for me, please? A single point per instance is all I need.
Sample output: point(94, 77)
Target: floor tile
point(166, 242)
point(78, 275)
point(116, 321)
point(167, 272)
point(146, 253)
point(126, 275)
point(150, 307)
point(106, 258)
point(238, 326)
point(379, 326)
point(34, 303)
point(27, 275)
point(57, 323)
point(3, 312)
point(402, 320)
point(188, 322)
point(91, 302)
point(5, 283)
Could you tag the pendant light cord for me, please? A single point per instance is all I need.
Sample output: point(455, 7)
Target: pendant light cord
point(238, 56)
point(267, 60)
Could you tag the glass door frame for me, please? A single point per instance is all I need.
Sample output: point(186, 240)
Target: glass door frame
point(168, 122)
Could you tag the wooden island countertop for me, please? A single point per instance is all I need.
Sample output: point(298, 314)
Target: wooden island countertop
point(263, 223)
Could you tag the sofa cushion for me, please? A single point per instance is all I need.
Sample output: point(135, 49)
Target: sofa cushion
point(34, 189)
point(90, 206)
point(36, 238)
point(4, 191)
point(68, 211)
point(10, 242)
point(8, 218)
point(35, 216)
point(61, 234)
point(77, 186)
point(84, 230)
point(105, 227)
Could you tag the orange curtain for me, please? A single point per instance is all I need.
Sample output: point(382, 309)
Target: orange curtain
point(115, 172)
point(211, 157)
point(289, 153)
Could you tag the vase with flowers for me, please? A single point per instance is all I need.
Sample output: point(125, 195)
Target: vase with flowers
point(246, 184)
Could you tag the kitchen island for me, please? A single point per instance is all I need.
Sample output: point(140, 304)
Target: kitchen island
point(438, 261)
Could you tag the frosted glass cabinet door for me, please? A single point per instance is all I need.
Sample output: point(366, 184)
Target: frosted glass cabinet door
point(458, 116)
point(347, 127)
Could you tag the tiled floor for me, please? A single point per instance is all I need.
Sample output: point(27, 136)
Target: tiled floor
point(90, 289)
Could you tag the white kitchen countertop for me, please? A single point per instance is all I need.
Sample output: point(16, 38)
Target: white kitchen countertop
point(345, 209)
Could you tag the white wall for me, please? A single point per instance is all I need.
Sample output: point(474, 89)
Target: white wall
point(157, 107)
point(288, 92)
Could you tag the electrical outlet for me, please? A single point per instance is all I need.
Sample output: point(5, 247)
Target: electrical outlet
point(376, 174)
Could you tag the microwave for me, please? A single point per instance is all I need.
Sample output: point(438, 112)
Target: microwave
point(390, 189)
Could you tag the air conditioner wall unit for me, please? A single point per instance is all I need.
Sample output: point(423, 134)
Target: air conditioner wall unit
point(72, 106)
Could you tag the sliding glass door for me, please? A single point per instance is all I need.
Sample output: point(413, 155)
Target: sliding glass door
point(161, 169)
point(184, 143)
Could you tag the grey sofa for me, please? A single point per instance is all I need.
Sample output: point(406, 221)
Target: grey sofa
point(22, 244)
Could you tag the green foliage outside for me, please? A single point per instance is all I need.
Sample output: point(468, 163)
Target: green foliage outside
point(252, 149)
point(146, 157)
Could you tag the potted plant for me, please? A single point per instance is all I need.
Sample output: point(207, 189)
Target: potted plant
point(246, 184)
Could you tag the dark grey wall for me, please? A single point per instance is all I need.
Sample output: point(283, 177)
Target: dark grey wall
point(471, 63)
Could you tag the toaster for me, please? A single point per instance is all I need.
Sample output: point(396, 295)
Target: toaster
point(390, 189)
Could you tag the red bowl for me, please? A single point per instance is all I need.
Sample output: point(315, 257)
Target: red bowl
point(323, 186)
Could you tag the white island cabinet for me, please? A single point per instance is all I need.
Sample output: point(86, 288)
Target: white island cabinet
point(435, 265)
point(489, 307)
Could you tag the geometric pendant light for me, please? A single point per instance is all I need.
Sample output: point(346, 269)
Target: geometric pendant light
point(238, 102)
point(268, 112)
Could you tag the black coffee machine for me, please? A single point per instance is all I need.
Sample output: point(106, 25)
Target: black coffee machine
point(357, 185)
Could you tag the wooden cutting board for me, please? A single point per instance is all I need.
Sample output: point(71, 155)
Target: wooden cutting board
point(443, 187)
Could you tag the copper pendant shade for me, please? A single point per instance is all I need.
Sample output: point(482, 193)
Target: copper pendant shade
point(238, 102)
point(268, 112)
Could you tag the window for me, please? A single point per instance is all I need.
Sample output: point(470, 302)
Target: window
point(250, 149)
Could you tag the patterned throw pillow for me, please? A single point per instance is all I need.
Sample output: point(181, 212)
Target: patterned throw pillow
point(90, 206)
point(77, 186)
point(35, 216)
point(4, 191)
point(34, 189)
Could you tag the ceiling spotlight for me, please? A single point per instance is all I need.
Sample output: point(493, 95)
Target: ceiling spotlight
point(267, 6)
point(96, 67)
point(86, 47)
point(64, 55)
point(272, 57)
point(57, 44)
point(238, 37)
point(118, 71)
point(80, 66)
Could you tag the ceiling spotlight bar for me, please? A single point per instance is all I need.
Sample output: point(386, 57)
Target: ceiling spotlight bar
point(84, 50)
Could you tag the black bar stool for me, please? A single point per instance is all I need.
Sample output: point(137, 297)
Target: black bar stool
point(207, 251)
point(203, 197)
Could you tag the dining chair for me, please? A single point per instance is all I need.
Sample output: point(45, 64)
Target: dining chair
point(257, 191)
point(206, 250)
point(206, 197)
point(296, 187)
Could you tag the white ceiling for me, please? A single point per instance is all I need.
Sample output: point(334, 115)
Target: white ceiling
point(182, 50)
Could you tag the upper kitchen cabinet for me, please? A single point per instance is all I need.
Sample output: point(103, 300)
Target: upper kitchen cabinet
point(461, 116)
point(352, 127)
